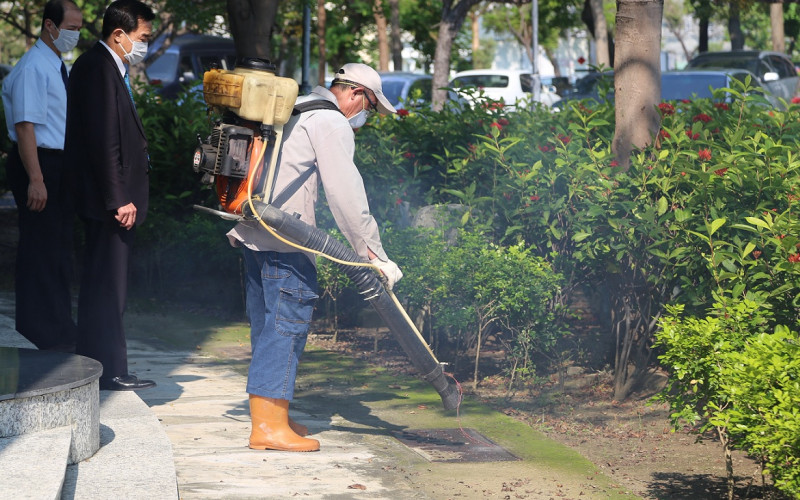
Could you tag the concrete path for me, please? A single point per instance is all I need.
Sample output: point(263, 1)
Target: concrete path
point(202, 404)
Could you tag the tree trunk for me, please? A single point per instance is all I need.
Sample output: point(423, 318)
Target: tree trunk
point(251, 23)
point(600, 34)
point(383, 35)
point(776, 21)
point(453, 14)
point(322, 17)
point(551, 56)
point(637, 76)
point(476, 37)
point(735, 27)
point(397, 43)
point(702, 44)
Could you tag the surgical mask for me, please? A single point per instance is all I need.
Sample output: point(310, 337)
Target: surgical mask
point(67, 40)
point(359, 119)
point(137, 53)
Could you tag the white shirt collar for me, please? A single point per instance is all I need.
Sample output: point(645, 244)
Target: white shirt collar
point(120, 64)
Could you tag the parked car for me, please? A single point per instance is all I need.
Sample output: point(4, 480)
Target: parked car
point(675, 85)
point(186, 59)
point(400, 86)
point(775, 70)
point(509, 86)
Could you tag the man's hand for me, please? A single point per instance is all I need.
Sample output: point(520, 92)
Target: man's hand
point(126, 215)
point(390, 270)
point(37, 195)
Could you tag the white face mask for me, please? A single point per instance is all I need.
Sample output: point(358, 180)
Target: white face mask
point(67, 40)
point(137, 53)
point(359, 119)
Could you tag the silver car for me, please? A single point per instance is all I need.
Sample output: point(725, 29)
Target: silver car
point(775, 71)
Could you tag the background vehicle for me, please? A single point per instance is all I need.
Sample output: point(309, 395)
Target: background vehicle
point(186, 59)
point(675, 85)
point(775, 71)
point(399, 86)
point(510, 86)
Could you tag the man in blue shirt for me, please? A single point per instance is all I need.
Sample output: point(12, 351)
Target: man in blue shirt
point(35, 101)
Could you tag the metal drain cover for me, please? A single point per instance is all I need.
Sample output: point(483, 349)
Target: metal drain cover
point(453, 445)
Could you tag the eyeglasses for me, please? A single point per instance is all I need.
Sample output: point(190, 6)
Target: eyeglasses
point(373, 106)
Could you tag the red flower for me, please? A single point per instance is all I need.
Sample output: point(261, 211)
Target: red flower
point(721, 171)
point(704, 154)
point(408, 154)
point(564, 138)
point(690, 135)
point(534, 198)
point(402, 112)
point(398, 201)
point(663, 134)
point(614, 163)
point(795, 257)
point(721, 105)
point(756, 254)
point(795, 100)
point(502, 121)
point(683, 174)
point(496, 125)
point(666, 108)
point(546, 148)
point(581, 60)
point(702, 117)
point(685, 101)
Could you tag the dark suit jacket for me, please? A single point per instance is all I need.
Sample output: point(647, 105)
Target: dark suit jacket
point(105, 142)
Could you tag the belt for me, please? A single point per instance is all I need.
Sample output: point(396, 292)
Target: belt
point(50, 151)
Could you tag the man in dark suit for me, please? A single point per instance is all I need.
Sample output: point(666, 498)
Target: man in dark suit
point(107, 148)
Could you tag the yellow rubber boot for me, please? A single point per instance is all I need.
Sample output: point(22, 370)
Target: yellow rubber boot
point(271, 431)
point(299, 429)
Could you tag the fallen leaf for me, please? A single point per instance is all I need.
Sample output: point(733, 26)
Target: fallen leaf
point(356, 487)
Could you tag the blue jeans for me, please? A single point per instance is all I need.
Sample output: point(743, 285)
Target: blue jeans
point(281, 293)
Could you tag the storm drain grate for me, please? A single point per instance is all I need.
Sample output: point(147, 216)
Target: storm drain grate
point(453, 445)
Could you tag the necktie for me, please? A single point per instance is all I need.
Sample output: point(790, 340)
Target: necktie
point(64, 74)
point(128, 86)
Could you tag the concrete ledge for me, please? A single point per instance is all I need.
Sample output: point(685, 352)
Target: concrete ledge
point(33, 464)
point(135, 456)
point(42, 390)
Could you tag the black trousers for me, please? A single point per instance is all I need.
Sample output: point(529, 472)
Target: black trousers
point(44, 253)
point(103, 295)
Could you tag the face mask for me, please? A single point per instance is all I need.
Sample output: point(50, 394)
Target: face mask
point(137, 53)
point(67, 40)
point(358, 120)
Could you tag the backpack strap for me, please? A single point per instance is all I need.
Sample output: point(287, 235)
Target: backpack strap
point(314, 105)
point(292, 188)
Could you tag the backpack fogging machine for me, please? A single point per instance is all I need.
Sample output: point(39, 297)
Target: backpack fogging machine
point(239, 160)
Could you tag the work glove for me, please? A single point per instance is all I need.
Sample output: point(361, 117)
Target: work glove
point(390, 271)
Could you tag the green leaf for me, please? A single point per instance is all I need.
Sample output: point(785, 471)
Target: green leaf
point(663, 204)
point(716, 224)
point(757, 222)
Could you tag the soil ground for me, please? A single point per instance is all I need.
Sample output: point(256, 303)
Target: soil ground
point(633, 441)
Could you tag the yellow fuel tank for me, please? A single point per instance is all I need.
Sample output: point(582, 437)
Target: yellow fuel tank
point(253, 94)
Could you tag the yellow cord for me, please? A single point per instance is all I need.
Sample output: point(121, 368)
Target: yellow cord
point(317, 252)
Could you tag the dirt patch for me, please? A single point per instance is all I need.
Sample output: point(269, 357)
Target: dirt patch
point(632, 442)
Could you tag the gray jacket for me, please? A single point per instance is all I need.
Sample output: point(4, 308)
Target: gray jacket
point(323, 138)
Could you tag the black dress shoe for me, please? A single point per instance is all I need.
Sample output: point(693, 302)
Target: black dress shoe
point(126, 383)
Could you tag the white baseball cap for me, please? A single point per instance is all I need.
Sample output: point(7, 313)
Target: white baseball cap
point(363, 75)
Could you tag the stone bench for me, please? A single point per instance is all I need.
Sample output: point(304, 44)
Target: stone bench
point(41, 390)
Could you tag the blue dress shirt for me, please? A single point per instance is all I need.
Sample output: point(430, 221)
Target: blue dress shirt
point(34, 92)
